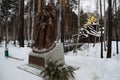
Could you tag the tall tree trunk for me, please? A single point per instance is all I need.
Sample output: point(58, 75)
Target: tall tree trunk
point(14, 29)
point(109, 28)
point(104, 27)
point(29, 23)
point(63, 21)
point(39, 6)
point(119, 2)
point(117, 51)
point(6, 32)
point(59, 21)
point(116, 30)
point(78, 27)
point(33, 16)
point(21, 23)
point(43, 4)
point(101, 29)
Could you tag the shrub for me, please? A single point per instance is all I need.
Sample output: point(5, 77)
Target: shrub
point(55, 71)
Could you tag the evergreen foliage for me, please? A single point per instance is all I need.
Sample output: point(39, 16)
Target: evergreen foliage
point(7, 12)
point(71, 4)
point(8, 7)
point(55, 71)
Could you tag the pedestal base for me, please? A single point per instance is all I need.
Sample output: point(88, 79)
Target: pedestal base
point(40, 60)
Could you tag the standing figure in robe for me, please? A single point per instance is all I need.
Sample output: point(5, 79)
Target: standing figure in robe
point(45, 28)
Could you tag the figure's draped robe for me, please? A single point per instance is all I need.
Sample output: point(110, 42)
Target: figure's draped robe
point(45, 30)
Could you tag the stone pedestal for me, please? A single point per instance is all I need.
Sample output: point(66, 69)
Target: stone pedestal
point(39, 60)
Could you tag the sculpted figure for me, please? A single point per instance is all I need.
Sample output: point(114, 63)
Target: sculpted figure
point(45, 29)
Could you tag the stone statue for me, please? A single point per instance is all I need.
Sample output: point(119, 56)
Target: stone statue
point(44, 30)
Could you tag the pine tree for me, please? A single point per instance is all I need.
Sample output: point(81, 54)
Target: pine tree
point(21, 23)
point(7, 10)
point(109, 28)
point(101, 29)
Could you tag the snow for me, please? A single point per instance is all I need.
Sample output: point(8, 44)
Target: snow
point(113, 70)
point(87, 59)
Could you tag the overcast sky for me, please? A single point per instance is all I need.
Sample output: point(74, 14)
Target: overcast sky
point(88, 5)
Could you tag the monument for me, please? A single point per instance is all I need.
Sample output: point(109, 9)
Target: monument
point(44, 48)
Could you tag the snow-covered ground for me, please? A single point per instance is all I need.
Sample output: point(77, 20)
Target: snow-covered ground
point(87, 58)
